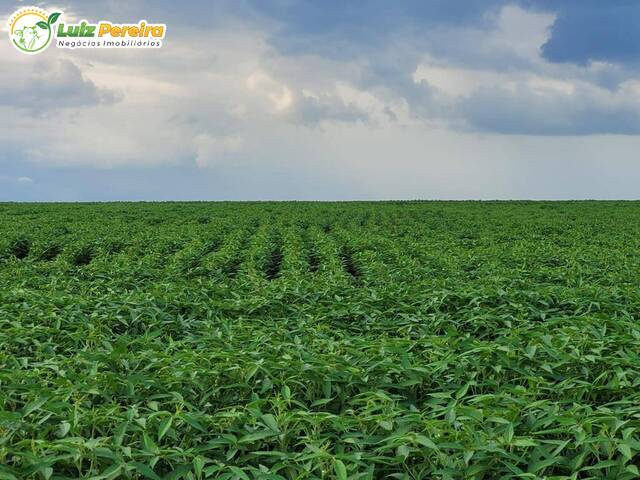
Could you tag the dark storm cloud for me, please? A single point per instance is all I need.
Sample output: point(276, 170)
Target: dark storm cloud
point(586, 31)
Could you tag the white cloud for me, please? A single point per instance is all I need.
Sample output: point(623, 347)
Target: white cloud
point(278, 96)
point(211, 151)
point(520, 31)
point(9, 179)
point(393, 123)
point(527, 96)
point(457, 82)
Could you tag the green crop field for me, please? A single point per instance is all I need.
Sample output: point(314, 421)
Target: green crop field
point(406, 340)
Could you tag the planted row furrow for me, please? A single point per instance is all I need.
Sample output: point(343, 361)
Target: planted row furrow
point(226, 261)
point(313, 260)
point(394, 259)
point(18, 247)
point(263, 256)
point(24, 248)
point(274, 261)
point(349, 264)
point(189, 259)
point(295, 263)
point(48, 250)
point(363, 257)
point(325, 254)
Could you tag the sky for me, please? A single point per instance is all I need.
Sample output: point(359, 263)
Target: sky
point(329, 100)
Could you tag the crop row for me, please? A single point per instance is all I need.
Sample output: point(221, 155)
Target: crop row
point(262, 251)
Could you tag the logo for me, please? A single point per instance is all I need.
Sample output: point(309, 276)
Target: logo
point(31, 29)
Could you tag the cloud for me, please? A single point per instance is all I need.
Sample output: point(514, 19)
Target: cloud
point(344, 30)
point(48, 85)
point(212, 151)
point(534, 96)
point(15, 181)
point(435, 64)
point(529, 103)
point(549, 110)
point(277, 96)
point(323, 99)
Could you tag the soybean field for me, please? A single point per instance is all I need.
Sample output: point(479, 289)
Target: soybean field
point(364, 340)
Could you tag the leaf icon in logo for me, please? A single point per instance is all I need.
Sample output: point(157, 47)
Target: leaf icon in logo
point(43, 25)
point(53, 17)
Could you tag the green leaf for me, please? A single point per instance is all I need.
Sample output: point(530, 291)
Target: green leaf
point(286, 392)
point(632, 469)
point(256, 436)
point(145, 471)
point(462, 391)
point(6, 475)
point(602, 465)
point(625, 450)
point(386, 424)
point(43, 25)
point(32, 406)
point(111, 473)
point(509, 432)
point(239, 473)
point(63, 429)
point(341, 470)
point(252, 371)
point(149, 445)
point(164, 427)
point(424, 441)
point(198, 465)
point(524, 442)
point(193, 422)
point(119, 433)
point(271, 422)
point(403, 451)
